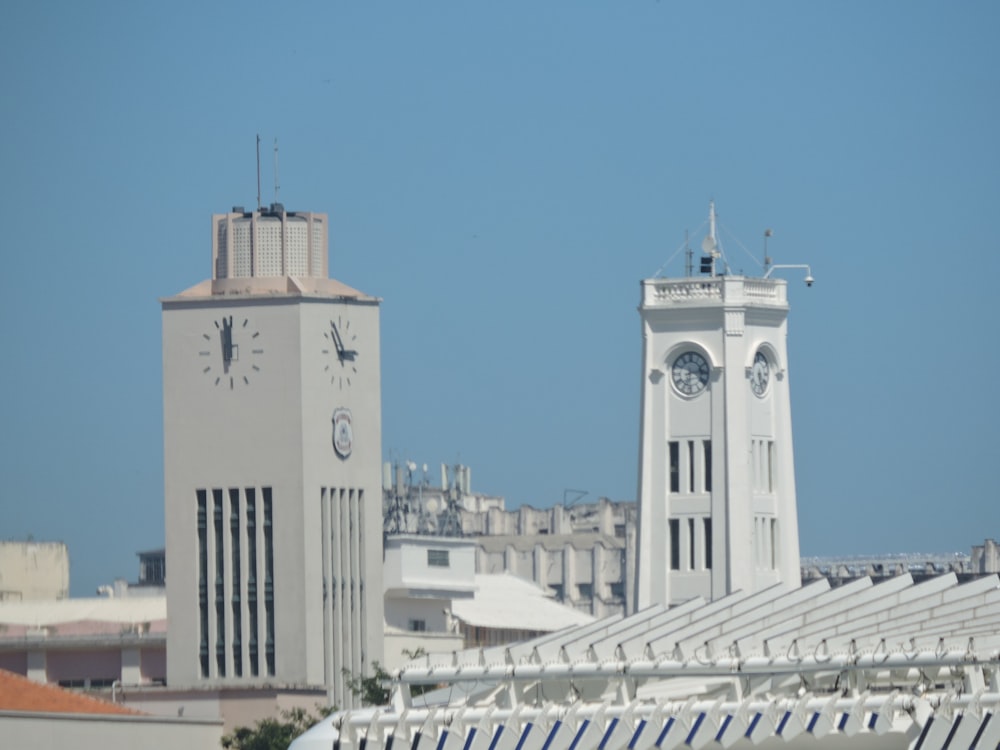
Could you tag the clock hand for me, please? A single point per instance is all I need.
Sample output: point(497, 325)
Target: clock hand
point(227, 341)
point(343, 354)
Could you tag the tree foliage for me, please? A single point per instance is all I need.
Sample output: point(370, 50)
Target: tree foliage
point(372, 690)
point(277, 734)
point(274, 734)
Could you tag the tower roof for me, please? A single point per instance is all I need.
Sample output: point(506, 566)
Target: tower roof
point(277, 286)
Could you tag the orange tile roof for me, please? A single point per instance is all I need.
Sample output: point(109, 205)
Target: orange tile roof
point(18, 693)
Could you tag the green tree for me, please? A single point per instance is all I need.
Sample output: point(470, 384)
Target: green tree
point(373, 690)
point(274, 734)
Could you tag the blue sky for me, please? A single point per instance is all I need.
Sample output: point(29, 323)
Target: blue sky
point(503, 175)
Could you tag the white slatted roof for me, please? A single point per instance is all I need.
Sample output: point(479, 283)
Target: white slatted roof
point(896, 664)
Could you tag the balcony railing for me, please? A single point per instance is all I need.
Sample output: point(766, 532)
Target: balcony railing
point(696, 291)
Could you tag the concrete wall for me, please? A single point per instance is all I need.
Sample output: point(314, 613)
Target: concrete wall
point(986, 557)
point(86, 732)
point(268, 423)
point(398, 646)
point(34, 570)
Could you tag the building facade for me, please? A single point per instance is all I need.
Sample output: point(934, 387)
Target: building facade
point(272, 451)
point(269, 243)
point(33, 570)
point(717, 508)
point(582, 554)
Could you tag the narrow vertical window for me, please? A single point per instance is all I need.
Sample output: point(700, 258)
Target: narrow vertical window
point(774, 543)
point(770, 466)
point(234, 543)
point(252, 579)
point(708, 465)
point(691, 562)
point(268, 582)
point(757, 542)
point(691, 466)
point(675, 544)
point(203, 581)
point(708, 543)
point(675, 469)
point(754, 467)
point(220, 602)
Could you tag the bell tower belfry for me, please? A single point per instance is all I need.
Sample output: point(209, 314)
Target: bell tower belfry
point(717, 508)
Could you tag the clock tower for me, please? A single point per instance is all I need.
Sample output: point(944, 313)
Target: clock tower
point(717, 508)
point(272, 455)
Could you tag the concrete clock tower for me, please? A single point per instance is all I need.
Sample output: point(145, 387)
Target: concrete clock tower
point(272, 454)
point(716, 480)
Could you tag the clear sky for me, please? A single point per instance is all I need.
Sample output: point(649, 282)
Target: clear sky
point(502, 175)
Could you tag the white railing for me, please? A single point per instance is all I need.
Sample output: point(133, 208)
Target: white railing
point(732, 289)
point(682, 290)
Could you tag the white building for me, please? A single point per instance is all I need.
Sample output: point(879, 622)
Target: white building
point(33, 570)
point(717, 483)
point(436, 602)
point(272, 451)
point(751, 656)
point(582, 554)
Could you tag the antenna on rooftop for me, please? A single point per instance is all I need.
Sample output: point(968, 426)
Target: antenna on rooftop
point(710, 245)
point(276, 186)
point(688, 256)
point(258, 172)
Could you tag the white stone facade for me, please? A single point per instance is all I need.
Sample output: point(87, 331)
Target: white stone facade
point(717, 508)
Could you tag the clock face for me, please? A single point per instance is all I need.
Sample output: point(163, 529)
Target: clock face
point(690, 373)
point(760, 374)
point(231, 352)
point(340, 352)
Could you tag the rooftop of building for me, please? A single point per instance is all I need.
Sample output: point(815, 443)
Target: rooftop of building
point(18, 693)
point(83, 617)
point(504, 601)
point(273, 286)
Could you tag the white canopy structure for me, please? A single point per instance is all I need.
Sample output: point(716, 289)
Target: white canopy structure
point(891, 665)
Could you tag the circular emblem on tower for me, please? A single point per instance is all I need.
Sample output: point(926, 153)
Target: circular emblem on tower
point(343, 432)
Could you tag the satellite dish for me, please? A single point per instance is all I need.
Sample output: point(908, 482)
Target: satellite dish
point(708, 245)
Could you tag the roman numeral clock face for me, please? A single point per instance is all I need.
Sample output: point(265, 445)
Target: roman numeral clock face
point(231, 352)
point(690, 373)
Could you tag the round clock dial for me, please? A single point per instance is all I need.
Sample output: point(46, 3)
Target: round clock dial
point(760, 374)
point(340, 352)
point(690, 373)
point(231, 352)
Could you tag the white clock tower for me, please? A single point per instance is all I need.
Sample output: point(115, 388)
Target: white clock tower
point(717, 507)
point(272, 455)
